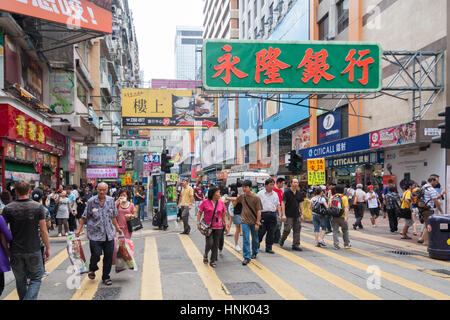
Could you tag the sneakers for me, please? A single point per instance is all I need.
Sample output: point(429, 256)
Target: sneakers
point(246, 262)
point(237, 248)
point(297, 249)
point(347, 246)
point(337, 247)
point(253, 256)
point(322, 243)
point(66, 234)
point(281, 243)
point(59, 235)
point(270, 251)
point(46, 273)
point(70, 233)
point(405, 237)
point(420, 241)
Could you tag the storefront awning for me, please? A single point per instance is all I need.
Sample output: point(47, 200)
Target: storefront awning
point(19, 167)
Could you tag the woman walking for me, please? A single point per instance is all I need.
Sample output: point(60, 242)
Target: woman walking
point(236, 190)
point(215, 214)
point(62, 215)
point(126, 211)
point(140, 196)
point(319, 207)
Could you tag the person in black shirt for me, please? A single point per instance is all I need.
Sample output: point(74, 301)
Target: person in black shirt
point(24, 217)
point(291, 208)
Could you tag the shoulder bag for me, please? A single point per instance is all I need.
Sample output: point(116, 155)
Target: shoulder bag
point(406, 212)
point(206, 229)
point(251, 209)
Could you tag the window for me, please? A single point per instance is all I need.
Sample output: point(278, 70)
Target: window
point(190, 41)
point(192, 33)
point(342, 11)
point(82, 92)
point(323, 28)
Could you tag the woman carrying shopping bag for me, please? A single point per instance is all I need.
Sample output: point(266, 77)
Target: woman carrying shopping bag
point(126, 211)
point(215, 217)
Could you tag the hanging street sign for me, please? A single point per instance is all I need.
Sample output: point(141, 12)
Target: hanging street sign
point(134, 144)
point(315, 66)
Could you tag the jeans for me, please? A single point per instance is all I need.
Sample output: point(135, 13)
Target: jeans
point(185, 218)
point(277, 233)
point(269, 223)
point(336, 223)
point(319, 221)
point(27, 265)
point(212, 244)
point(141, 212)
point(328, 223)
point(97, 247)
point(295, 225)
point(393, 221)
point(246, 231)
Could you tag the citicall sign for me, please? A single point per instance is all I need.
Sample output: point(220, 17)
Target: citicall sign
point(85, 14)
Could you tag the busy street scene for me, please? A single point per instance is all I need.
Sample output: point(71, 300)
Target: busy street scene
point(220, 150)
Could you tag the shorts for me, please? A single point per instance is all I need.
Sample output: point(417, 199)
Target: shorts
point(409, 222)
point(374, 212)
point(237, 219)
point(319, 221)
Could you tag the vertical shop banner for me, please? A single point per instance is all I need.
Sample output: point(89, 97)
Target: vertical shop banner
point(85, 14)
point(399, 135)
point(301, 137)
point(2, 60)
point(316, 171)
point(72, 155)
point(329, 127)
point(62, 92)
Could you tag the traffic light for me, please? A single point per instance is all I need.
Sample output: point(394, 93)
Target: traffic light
point(295, 162)
point(166, 162)
point(444, 138)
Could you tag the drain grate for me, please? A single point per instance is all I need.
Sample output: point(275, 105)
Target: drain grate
point(244, 288)
point(107, 294)
point(401, 252)
point(443, 271)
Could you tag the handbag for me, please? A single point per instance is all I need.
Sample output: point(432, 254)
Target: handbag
point(134, 224)
point(206, 229)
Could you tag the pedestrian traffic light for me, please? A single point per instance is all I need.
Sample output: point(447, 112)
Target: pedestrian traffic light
point(166, 162)
point(295, 162)
point(444, 138)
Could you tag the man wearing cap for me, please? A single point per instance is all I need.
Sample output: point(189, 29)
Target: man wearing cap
point(361, 199)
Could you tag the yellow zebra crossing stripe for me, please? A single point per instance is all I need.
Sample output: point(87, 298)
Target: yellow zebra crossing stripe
point(215, 287)
point(281, 287)
point(151, 287)
point(89, 287)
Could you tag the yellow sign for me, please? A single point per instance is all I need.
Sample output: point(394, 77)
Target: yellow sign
point(316, 171)
point(41, 134)
point(31, 131)
point(128, 178)
point(21, 126)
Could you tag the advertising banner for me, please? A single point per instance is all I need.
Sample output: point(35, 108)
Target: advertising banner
point(71, 155)
point(398, 135)
point(83, 153)
point(85, 14)
point(102, 156)
point(329, 127)
point(134, 144)
point(289, 66)
point(301, 137)
point(62, 92)
point(102, 173)
point(316, 171)
point(168, 109)
point(2, 60)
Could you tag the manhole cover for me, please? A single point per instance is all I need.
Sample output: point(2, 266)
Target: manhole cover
point(443, 271)
point(401, 252)
point(107, 294)
point(244, 288)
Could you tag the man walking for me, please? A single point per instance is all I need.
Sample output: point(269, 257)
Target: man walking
point(72, 196)
point(279, 191)
point(25, 218)
point(361, 199)
point(271, 210)
point(100, 217)
point(185, 204)
point(341, 221)
point(291, 209)
point(251, 218)
point(431, 198)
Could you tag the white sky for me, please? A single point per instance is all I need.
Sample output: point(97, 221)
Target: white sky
point(155, 22)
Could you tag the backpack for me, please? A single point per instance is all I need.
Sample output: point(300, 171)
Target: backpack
point(392, 202)
point(418, 199)
point(319, 208)
point(336, 209)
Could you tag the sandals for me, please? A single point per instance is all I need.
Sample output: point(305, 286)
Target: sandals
point(205, 260)
point(91, 275)
point(107, 282)
point(213, 264)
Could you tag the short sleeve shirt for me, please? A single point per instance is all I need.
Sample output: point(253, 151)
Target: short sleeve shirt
point(292, 203)
point(99, 219)
point(198, 194)
point(345, 203)
point(207, 206)
point(247, 216)
point(406, 196)
point(429, 195)
point(372, 203)
point(270, 201)
point(187, 195)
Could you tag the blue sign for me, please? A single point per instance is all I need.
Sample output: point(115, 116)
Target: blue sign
point(155, 158)
point(329, 127)
point(146, 158)
point(356, 160)
point(354, 144)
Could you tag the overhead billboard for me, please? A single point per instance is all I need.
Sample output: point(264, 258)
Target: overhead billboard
point(85, 14)
point(168, 109)
point(102, 156)
point(290, 66)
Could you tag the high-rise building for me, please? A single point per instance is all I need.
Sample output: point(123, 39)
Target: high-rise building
point(188, 42)
point(221, 19)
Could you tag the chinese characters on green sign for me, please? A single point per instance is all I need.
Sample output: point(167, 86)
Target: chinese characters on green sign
point(134, 144)
point(291, 66)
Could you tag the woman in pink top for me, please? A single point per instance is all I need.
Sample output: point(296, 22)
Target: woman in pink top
point(218, 223)
point(126, 211)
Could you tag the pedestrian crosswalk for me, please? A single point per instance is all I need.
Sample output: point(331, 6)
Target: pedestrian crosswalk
point(170, 266)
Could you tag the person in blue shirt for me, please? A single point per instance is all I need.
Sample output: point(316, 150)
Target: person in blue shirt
point(73, 203)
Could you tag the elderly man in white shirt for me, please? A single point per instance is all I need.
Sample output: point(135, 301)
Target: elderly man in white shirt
point(269, 214)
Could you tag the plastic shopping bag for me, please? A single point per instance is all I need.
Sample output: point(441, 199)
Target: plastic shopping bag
point(76, 254)
point(125, 255)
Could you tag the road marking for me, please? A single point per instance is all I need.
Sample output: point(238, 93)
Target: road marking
point(215, 287)
point(392, 261)
point(50, 266)
point(333, 279)
point(388, 276)
point(276, 283)
point(399, 243)
point(89, 287)
point(151, 287)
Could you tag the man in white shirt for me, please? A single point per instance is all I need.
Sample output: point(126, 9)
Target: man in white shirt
point(269, 213)
point(361, 199)
point(431, 198)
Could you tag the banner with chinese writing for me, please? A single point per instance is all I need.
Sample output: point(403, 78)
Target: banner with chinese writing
point(62, 92)
point(102, 156)
point(317, 66)
point(134, 144)
point(316, 171)
point(104, 173)
point(168, 109)
point(398, 135)
point(86, 14)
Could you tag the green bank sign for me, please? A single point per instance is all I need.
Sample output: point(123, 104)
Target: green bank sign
point(291, 66)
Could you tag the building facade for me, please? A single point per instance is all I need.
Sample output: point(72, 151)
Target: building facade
point(188, 44)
